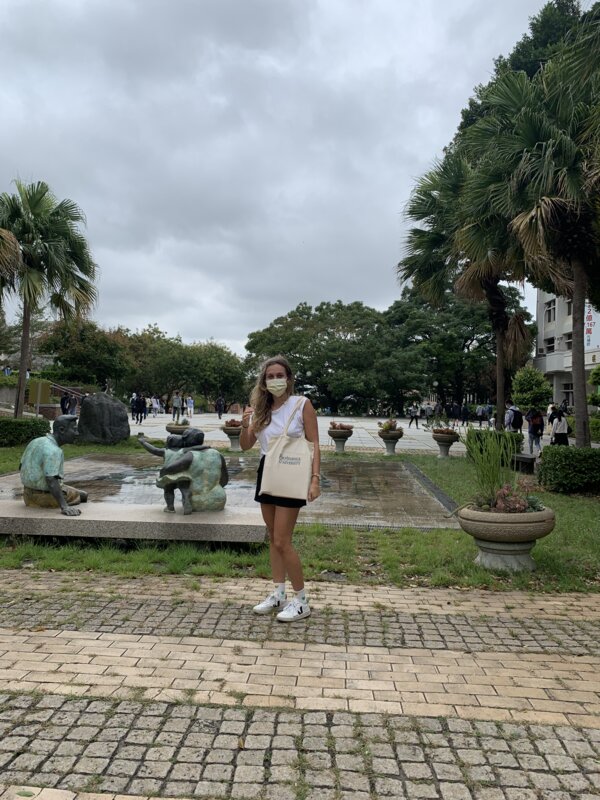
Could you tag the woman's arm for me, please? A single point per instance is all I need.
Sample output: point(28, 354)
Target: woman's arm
point(247, 436)
point(311, 431)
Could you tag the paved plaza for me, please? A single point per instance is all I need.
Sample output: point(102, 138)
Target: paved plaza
point(363, 438)
point(171, 687)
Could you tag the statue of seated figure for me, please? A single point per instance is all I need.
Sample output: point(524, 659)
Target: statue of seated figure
point(197, 470)
point(42, 470)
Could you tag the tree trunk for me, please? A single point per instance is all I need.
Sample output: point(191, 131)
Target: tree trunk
point(582, 434)
point(500, 400)
point(25, 333)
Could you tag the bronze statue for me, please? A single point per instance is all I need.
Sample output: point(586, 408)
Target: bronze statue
point(197, 470)
point(42, 469)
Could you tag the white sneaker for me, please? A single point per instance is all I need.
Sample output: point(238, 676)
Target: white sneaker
point(294, 610)
point(273, 602)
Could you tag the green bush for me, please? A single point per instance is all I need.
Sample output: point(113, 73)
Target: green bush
point(9, 380)
point(570, 469)
point(594, 427)
point(21, 431)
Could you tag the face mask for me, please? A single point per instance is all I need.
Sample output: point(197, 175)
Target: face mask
point(277, 386)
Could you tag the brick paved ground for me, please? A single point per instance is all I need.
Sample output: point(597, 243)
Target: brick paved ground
point(171, 688)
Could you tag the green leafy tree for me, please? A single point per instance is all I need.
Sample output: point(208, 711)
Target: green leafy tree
point(333, 349)
point(84, 353)
point(56, 263)
point(531, 389)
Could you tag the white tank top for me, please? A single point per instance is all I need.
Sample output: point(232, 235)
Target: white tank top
point(279, 419)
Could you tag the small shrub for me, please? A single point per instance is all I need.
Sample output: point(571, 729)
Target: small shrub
point(476, 437)
point(594, 427)
point(21, 431)
point(570, 469)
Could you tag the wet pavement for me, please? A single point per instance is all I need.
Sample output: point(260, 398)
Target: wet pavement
point(367, 493)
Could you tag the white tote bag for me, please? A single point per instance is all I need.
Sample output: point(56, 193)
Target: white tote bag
point(288, 464)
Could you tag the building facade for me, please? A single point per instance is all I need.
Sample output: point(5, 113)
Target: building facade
point(555, 343)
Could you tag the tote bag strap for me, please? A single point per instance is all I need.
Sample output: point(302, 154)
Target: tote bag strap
point(290, 418)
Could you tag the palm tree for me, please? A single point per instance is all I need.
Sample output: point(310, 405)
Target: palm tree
point(57, 268)
point(545, 180)
point(460, 244)
point(10, 256)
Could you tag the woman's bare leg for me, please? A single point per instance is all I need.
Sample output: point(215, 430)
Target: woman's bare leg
point(277, 565)
point(282, 550)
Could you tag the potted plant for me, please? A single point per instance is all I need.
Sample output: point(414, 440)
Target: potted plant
point(390, 432)
point(178, 427)
point(233, 429)
point(340, 432)
point(445, 436)
point(503, 518)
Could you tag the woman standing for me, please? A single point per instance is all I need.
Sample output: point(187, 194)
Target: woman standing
point(560, 429)
point(272, 406)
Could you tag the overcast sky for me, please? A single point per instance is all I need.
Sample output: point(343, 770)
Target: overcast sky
point(237, 157)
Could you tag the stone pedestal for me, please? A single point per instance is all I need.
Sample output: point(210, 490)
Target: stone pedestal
point(444, 442)
point(340, 437)
point(505, 556)
point(390, 439)
point(234, 438)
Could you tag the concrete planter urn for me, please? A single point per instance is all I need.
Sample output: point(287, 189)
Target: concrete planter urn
point(390, 439)
point(234, 433)
point(505, 539)
point(445, 442)
point(173, 427)
point(340, 437)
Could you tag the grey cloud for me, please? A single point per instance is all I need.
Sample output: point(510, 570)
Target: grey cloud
point(236, 158)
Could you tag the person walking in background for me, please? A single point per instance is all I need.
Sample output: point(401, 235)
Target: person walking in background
point(140, 409)
point(513, 419)
point(176, 406)
point(220, 405)
point(455, 414)
point(190, 405)
point(536, 429)
point(73, 405)
point(464, 415)
point(479, 413)
point(155, 405)
point(273, 406)
point(413, 413)
point(560, 430)
point(65, 402)
point(132, 400)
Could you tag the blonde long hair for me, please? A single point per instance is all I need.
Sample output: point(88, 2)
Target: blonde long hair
point(261, 400)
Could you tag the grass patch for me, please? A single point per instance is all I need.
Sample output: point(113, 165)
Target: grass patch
point(567, 560)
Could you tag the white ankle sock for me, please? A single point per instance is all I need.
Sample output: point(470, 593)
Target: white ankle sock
point(280, 589)
point(301, 596)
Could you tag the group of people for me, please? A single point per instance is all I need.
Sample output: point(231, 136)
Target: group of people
point(68, 404)
point(556, 425)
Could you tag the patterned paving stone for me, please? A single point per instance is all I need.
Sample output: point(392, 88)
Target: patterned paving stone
point(391, 756)
point(376, 628)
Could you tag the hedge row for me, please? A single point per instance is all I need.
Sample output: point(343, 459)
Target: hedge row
point(570, 469)
point(21, 431)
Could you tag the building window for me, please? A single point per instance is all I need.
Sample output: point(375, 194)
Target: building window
point(549, 345)
point(568, 341)
point(569, 308)
point(550, 311)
